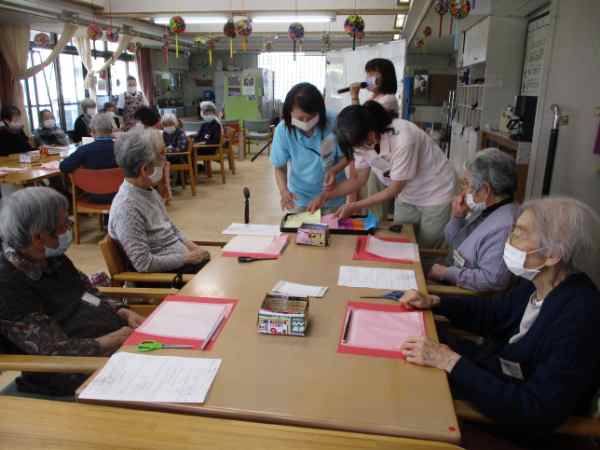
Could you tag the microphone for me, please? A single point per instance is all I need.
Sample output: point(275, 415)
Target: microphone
point(247, 205)
point(363, 85)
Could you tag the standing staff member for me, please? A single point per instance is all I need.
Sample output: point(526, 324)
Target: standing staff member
point(296, 149)
point(130, 101)
point(405, 159)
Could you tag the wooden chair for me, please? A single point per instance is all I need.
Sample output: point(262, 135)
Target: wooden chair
point(257, 131)
point(178, 167)
point(98, 182)
point(231, 138)
point(218, 157)
point(120, 269)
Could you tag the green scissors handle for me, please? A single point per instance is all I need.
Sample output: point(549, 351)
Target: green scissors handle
point(149, 346)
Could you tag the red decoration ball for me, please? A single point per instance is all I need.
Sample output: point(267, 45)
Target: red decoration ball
point(229, 29)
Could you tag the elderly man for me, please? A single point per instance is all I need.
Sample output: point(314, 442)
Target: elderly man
point(48, 307)
point(539, 364)
point(48, 133)
point(82, 123)
point(138, 218)
point(482, 218)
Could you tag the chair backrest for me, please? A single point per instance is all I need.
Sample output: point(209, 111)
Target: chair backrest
point(257, 126)
point(114, 257)
point(192, 126)
point(98, 181)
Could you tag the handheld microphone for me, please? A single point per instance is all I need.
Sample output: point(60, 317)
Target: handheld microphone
point(363, 85)
point(247, 205)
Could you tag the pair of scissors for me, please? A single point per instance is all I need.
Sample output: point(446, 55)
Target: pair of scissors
point(149, 346)
point(391, 295)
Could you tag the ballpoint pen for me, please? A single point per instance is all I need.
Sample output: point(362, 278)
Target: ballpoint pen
point(149, 346)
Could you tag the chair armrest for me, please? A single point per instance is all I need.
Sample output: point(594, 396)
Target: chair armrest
point(151, 278)
point(51, 364)
point(206, 145)
point(146, 293)
point(167, 154)
point(433, 252)
point(439, 289)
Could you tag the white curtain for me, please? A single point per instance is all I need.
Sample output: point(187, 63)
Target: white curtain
point(14, 46)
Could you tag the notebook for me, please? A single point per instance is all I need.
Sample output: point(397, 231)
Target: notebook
point(398, 250)
point(265, 247)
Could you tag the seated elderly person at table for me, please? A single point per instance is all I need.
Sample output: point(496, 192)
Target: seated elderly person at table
point(47, 306)
point(48, 133)
point(12, 136)
point(211, 129)
point(82, 127)
point(539, 363)
point(482, 218)
point(173, 135)
point(138, 218)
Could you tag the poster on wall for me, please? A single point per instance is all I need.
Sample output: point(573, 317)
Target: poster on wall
point(248, 86)
point(537, 33)
point(235, 91)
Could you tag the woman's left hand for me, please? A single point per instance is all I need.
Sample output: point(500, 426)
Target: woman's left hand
point(438, 272)
point(423, 351)
point(346, 210)
point(133, 319)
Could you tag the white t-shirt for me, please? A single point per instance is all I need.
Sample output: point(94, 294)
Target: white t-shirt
point(408, 154)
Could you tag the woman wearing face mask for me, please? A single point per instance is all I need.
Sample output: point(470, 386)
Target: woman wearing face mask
point(48, 133)
point(138, 218)
point(211, 130)
point(130, 101)
point(381, 82)
point(47, 306)
point(82, 124)
point(482, 218)
point(12, 136)
point(111, 109)
point(297, 143)
point(405, 159)
point(539, 364)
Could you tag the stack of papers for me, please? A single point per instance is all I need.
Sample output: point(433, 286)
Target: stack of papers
point(255, 246)
point(296, 220)
point(377, 278)
point(392, 250)
point(299, 290)
point(130, 377)
point(252, 229)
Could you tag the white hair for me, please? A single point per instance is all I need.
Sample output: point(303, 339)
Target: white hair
point(30, 211)
point(496, 168)
point(208, 107)
point(566, 228)
point(134, 150)
point(87, 103)
point(102, 123)
point(169, 118)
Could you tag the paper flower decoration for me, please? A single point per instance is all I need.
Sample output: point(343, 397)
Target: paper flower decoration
point(229, 31)
point(41, 40)
point(427, 31)
point(94, 33)
point(354, 25)
point(441, 7)
point(295, 33)
point(243, 27)
point(112, 35)
point(459, 9)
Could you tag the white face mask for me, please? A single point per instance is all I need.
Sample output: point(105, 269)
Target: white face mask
point(132, 89)
point(306, 126)
point(156, 175)
point(207, 116)
point(169, 130)
point(371, 83)
point(50, 123)
point(64, 242)
point(473, 205)
point(90, 112)
point(515, 262)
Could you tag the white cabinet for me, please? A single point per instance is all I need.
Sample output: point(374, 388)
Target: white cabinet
point(476, 40)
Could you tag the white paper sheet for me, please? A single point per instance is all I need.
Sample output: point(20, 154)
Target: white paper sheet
point(184, 320)
point(295, 220)
point(377, 278)
point(249, 244)
point(252, 229)
point(131, 377)
point(392, 250)
point(299, 290)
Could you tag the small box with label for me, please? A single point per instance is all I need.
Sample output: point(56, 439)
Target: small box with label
point(283, 315)
point(316, 234)
point(30, 157)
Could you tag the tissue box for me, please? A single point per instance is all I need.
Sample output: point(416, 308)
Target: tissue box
point(316, 234)
point(30, 157)
point(283, 315)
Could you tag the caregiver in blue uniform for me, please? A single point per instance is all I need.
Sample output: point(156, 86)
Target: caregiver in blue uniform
point(296, 150)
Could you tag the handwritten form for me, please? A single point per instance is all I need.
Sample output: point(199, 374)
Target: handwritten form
point(392, 250)
point(130, 377)
point(377, 278)
point(252, 229)
point(299, 290)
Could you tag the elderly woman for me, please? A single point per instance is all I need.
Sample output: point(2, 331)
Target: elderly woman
point(173, 135)
point(482, 218)
point(138, 218)
point(48, 307)
point(48, 133)
point(12, 136)
point(211, 130)
point(539, 364)
point(82, 124)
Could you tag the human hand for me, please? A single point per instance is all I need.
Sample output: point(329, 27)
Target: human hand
point(438, 272)
point(424, 351)
point(415, 299)
point(354, 90)
point(196, 256)
point(317, 203)
point(287, 200)
point(110, 342)
point(459, 206)
point(132, 318)
point(329, 180)
point(346, 210)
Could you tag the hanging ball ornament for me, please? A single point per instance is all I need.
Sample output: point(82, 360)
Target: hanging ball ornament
point(243, 27)
point(441, 7)
point(112, 35)
point(229, 31)
point(427, 31)
point(355, 27)
point(295, 33)
point(176, 26)
point(94, 32)
point(459, 9)
point(41, 40)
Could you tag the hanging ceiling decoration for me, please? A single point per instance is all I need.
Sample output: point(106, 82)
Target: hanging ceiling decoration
point(229, 31)
point(459, 9)
point(41, 40)
point(243, 28)
point(325, 42)
point(441, 7)
point(176, 26)
point(295, 33)
point(355, 27)
point(165, 47)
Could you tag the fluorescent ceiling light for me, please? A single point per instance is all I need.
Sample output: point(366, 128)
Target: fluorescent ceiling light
point(400, 19)
point(290, 19)
point(193, 20)
point(396, 37)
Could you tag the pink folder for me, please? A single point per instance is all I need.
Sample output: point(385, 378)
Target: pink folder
point(137, 337)
point(373, 329)
point(273, 252)
point(361, 253)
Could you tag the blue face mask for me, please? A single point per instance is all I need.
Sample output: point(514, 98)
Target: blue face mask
point(64, 241)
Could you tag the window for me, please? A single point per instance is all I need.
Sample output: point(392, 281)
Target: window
point(306, 68)
point(73, 91)
point(40, 91)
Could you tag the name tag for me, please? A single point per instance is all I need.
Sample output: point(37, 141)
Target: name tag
point(511, 369)
point(91, 299)
point(459, 261)
point(380, 164)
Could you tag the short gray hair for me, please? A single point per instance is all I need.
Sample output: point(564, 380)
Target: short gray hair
point(87, 103)
point(208, 107)
point(496, 168)
point(134, 150)
point(102, 123)
point(30, 211)
point(169, 118)
point(566, 228)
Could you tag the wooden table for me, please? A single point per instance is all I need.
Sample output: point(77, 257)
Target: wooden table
point(33, 172)
point(29, 424)
point(303, 380)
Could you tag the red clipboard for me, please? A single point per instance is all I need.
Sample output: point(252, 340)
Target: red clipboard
point(138, 337)
point(361, 253)
point(390, 338)
point(273, 252)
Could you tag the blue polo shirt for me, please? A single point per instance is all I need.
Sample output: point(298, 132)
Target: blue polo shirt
point(305, 171)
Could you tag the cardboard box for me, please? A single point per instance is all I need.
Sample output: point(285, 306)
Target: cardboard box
point(316, 234)
point(283, 315)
